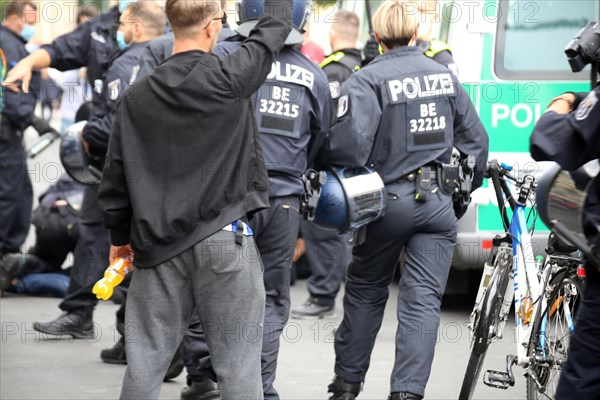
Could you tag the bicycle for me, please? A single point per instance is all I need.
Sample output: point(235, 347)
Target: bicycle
point(546, 294)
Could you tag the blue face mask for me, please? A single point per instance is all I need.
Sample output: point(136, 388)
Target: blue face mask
point(123, 5)
point(27, 32)
point(121, 40)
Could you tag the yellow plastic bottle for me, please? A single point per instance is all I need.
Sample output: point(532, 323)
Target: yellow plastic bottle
point(113, 276)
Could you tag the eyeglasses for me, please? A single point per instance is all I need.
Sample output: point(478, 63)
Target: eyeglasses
point(223, 20)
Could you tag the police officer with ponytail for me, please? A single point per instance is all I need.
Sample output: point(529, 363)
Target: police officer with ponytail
point(401, 115)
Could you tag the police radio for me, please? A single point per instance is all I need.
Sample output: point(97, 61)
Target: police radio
point(313, 180)
point(462, 198)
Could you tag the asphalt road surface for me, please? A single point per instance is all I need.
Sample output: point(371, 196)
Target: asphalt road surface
point(36, 366)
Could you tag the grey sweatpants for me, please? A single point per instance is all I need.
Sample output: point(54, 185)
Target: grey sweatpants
point(224, 281)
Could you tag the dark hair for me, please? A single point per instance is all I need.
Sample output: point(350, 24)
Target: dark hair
point(89, 11)
point(18, 8)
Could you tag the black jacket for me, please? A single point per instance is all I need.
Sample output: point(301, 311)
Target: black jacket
point(118, 78)
point(18, 107)
point(339, 65)
point(403, 111)
point(293, 114)
point(91, 45)
point(184, 157)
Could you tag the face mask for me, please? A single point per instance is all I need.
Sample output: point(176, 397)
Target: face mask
point(121, 40)
point(27, 32)
point(123, 5)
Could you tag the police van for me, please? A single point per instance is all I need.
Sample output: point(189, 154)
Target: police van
point(511, 61)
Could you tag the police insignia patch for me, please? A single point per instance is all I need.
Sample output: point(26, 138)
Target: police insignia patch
point(134, 73)
point(98, 84)
point(113, 89)
point(342, 106)
point(586, 106)
point(335, 89)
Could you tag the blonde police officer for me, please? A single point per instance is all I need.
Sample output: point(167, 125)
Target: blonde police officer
point(401, 115)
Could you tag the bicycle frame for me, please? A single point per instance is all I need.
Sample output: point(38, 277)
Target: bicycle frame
point(524, 283)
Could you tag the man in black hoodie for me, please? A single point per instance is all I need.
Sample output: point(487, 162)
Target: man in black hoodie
point(184, 166)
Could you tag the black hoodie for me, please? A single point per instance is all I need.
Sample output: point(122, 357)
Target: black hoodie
point(184, 157)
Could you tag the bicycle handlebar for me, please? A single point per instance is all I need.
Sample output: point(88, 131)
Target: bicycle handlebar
point(499, 173)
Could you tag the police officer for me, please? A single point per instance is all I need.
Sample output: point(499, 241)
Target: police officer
point(139, 24)
point(56, 233)
point(293, 113)
point(327, 252)
point(92, 44)
point(401, 115)
point(437, 50)
point(569, 133)
point(16, 193)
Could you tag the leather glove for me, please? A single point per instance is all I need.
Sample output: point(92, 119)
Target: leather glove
point(41, 126)
point(280, 9)
point(370, 51)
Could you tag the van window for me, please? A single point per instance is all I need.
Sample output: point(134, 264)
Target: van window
point(532, 36)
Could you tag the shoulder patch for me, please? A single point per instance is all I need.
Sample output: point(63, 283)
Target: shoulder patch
point(343, 106)
point(98, 86)
point(335, 88)
point(586, 106)
point(134, 74)
point(96, 36)
point(114, 88)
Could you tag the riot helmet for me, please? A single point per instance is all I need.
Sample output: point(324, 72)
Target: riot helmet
point(350, 198)
point(250, 11)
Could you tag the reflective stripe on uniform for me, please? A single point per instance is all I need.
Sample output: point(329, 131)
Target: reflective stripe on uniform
point(435, 47)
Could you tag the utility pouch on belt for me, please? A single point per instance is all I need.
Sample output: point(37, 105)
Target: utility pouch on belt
point(425, 176)
point(448, 178)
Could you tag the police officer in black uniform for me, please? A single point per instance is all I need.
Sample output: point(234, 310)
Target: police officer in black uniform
point(401, 115)
point(140, 23)
point(293, 114)
point(16, 193)
point(328, 253)
point(569, 133)
point(92, 45)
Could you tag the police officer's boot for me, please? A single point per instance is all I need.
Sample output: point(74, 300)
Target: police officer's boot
point(343, 390)
point(10, 264)
point(77, 323)
point(116, 354)
point(200, 389)
point(404, 396)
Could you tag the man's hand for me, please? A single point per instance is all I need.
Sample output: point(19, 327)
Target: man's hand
point(281, 9)
point(125, 252)
point(21, 72)
point(562, 104)
point(85, 144)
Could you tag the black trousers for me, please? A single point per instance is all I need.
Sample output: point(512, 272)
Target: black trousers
point(580, 376)
point(91, 255)
point(327, 257)
point(275, 232)
point(16, 193)
point(427, 232)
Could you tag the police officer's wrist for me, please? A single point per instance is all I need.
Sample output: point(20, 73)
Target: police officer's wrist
point(562, 104)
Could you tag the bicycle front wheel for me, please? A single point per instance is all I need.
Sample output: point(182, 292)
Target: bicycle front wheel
point(487, 324)
point(550, 343)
